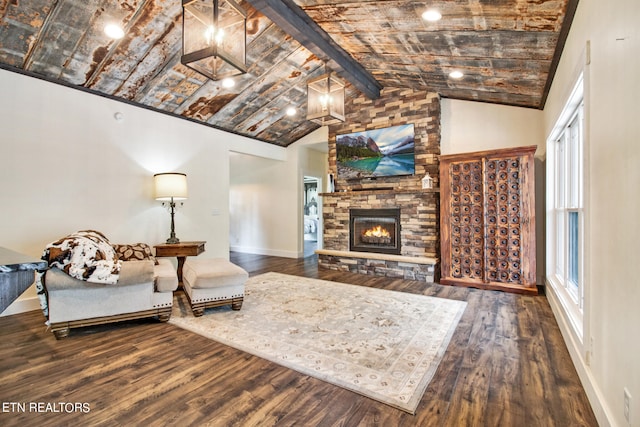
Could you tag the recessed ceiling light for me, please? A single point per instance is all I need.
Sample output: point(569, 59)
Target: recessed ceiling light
point(291, 111)
point(228, 82)
point(431, 15)
point(114, 31)
point(456, 74)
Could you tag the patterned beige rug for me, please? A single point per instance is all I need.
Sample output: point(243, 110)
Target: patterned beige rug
point(382, 344)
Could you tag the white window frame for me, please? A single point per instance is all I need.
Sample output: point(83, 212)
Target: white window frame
point(565, 195)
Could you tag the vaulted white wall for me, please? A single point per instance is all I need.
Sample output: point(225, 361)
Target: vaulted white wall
point(67, 164)
point(612, 305)
point(477, 126)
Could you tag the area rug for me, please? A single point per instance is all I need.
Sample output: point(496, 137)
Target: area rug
point(385, 345)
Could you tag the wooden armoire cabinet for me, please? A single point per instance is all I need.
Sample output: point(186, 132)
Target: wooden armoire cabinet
point(487, 219)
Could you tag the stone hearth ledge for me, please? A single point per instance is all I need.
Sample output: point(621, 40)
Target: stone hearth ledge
point(408, 267)
point(374, 255)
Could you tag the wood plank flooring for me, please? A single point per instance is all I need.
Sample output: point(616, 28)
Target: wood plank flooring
point(506, 366)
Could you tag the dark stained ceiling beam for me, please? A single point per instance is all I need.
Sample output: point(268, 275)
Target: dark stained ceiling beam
point(294, 21)
point(572, 6)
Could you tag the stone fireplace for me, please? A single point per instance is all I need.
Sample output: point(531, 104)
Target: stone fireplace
point(375, 230)
point(405, 244)
point(414, 225)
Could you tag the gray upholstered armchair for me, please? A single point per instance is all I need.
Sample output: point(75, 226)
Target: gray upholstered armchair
point(143, 290)
point(134, 284)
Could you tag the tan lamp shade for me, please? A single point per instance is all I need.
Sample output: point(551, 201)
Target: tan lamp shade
point(170, 185)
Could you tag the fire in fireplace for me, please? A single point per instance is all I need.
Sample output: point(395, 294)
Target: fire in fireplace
point(375, 230)
point(377, 235)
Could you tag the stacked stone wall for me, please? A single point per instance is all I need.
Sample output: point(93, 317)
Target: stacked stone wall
point(419, 208)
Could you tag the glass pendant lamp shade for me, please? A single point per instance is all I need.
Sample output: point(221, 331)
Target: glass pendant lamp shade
point(325, 99)
point(214, 38)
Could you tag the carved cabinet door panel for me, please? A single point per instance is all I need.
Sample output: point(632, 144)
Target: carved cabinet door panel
point(487, 219)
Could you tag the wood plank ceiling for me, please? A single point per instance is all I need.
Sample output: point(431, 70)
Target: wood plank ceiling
point(506, 49)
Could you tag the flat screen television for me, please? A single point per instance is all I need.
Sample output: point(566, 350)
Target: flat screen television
point(376, 153)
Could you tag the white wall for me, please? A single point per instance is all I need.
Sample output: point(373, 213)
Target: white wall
point(475, 126)
point(262, 206)
point(66, 164)
point(266, 198)
point(612, 305)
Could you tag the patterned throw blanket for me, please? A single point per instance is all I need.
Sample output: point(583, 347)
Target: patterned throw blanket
point(84, 255)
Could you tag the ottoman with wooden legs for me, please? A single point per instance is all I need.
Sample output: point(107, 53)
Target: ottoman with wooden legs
point(212, 283)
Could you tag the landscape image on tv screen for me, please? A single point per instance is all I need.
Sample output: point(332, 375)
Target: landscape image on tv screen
point(376, 153)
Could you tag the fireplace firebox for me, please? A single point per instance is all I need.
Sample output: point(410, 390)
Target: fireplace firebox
point(375, 230)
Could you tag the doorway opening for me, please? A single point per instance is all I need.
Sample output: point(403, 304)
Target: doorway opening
point(311, 215)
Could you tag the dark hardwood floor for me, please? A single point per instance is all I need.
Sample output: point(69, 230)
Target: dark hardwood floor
point(507, 365)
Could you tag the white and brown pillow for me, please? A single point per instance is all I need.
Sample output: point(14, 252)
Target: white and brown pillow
point(134, 252)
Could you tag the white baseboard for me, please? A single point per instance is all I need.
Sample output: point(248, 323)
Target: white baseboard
point(22, 306)
point(594, 393)
point(271, 252)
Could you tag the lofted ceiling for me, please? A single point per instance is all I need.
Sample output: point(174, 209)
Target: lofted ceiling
point(507, 50)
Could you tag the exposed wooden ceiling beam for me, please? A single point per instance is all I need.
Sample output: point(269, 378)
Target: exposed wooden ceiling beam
point(294, 21)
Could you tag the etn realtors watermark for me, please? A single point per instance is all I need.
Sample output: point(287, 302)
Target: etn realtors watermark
point(46, 407)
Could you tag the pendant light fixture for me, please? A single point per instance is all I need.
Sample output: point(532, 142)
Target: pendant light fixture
point(325, 99)
point(214, 38)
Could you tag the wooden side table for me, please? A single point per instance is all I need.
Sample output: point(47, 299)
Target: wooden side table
point(181, 251)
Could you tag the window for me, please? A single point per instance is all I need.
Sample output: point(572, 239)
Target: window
point(565, 208)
